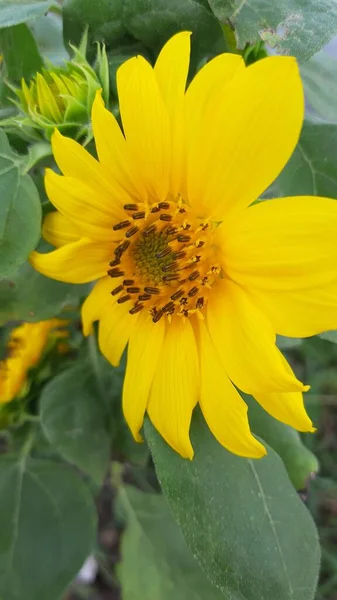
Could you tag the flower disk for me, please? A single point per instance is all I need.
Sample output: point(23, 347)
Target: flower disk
point(192, 274)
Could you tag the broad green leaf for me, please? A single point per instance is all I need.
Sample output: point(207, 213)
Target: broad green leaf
point(20, 211)
point(312, 168)
point(20, 53)
point(152, 22)
point(291, 26)
point(29, 296)
point(331, 336)
point(74, 419)
point(48, 525)
point(299, 461)
point(13, 12)
point(48, 34)
point(319, 76)
point(241, 518)
point(286, 343)
point(156, 561)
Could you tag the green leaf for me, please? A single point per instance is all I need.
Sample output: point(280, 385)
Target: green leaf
point(291, 26)
point(20, 211)
point(48, 34)
point(14, 12)
point(286, 343)
point(312, 168)
point(20, 53)
point(48, 526)
point(241, 518)
point(155, 557)
point(74, 419)
point(299, 461)
point(331, 336)
point(319, 76)
point(29, 296)
point(153, 22)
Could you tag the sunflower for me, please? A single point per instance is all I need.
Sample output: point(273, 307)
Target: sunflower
point(194, 274)
point(24, 350)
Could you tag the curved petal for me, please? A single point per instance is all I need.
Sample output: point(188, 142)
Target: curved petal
point(58, 230)
point(115, 329)
point(145, 123)
point(74, 161)
point(288, 408)
point(223, 408)
point(143, 355)
point(171, 71)
point(78, 262)
point(300, 313)
point(113, 152)
point(98, 303)
point(175, 387)
point(245, 342)
point(84, 206)
point(244, 143)
point(284, 244)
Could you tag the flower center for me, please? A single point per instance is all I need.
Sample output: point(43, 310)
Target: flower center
point(165, 260)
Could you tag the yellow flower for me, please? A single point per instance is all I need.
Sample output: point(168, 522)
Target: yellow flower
point(25, 347)
point(192, 275)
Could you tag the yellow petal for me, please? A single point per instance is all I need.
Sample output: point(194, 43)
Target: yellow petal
point(47, 104)
point(113, 152)
point(284, 244)
point(145, 123)
point(223, 408)
point(93, 215)
point(245, 141)
point(98, 303)
point(175, 387)
point(58, 230)
point(143, 354)
point(78, 262)
point(115, 329)
point(171, 71)
point(288, 408)
point(74, 161)
point(300, 313)
point(245, 342)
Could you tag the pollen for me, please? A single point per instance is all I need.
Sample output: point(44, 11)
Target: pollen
point(166, 264)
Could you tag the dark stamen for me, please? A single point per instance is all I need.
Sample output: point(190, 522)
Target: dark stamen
point(177, 295)
point(137, 308)
point(164, 252)
point(180, 254)
point(200, 244)
point(164, 205)
point(171, 230)
point(169, 267)
point(117, 290)
point(115, 262)
point(170, 277)
point(128, 282)
point(194, 276)
point(183, 238)
point(165, 217)
point(144, 297)
point(200, 303)
point(121, 225)
point(115, 273)
point(133, 290)
point(155, 209)
point(123, 299)
point(130, 206)
point(131, 231)
point(149, 230)
point(151, 290)
point(122, 247)
point(168, 307)
point(139, 215)
point(193, 292)
point(157, 316)
point(182, 210)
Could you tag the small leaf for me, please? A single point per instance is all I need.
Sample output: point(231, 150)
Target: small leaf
point(48, 526)
point(20, 53)
point(155, 556)
point(291, 26)
point(20, 211)
point(241, 518)
point(74, 419)
point(47, 31)
point(14, 12)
